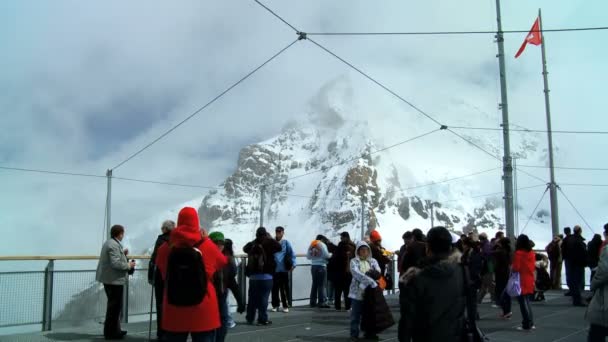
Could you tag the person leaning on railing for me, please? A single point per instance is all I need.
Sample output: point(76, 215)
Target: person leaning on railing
point(112, 272)
point(155, 278)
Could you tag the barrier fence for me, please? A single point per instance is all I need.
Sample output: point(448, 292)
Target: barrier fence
point(56, 298)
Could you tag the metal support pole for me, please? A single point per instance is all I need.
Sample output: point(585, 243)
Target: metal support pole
point(552, 185)
point(109, 204)
point(290, 288)
point(506, 161)
point(362, 218)
point(262, 198)
point(47, 305)
point(124, 311)
point(515, 196)
point(242, 278)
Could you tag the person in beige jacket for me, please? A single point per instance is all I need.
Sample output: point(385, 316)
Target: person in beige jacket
point(112, 272)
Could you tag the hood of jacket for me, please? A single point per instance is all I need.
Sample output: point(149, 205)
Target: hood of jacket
point(188, 230)
point(443, 268)
point(359, 245)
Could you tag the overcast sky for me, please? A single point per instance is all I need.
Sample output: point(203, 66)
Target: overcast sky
point(84, 85)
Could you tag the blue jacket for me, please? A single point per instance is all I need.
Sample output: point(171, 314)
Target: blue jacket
point(286, 252)
point(320, 259)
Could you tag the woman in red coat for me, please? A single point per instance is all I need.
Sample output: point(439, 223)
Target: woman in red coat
point(524, 263)
point(199, 320)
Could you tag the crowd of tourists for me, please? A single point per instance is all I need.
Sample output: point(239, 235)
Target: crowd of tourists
point(442, 279)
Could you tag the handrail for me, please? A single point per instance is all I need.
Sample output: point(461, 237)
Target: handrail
point(83, 257)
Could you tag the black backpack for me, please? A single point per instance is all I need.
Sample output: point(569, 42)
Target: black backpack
point(186, 276)
point(256, 259)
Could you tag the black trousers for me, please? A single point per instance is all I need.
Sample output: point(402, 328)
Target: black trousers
point(280, 287)
point(597, 333)
point(159, 288)
point(111, 326)
point(342, 285)
point(577, 283)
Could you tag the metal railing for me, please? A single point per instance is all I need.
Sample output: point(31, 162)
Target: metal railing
point(54, 297)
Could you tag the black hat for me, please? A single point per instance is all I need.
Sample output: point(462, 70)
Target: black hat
point(279, 229)
point(261, 232)
point(345, 235)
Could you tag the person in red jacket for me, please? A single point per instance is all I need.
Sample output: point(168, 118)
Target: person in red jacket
point(524, 263)
point(201, 320)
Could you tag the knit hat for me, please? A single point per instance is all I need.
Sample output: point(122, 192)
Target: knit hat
point(314, 243)
point(217, 237)
point(375, 236)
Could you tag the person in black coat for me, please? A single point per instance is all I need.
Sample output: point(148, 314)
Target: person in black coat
point(433, 300)
point(501, 255)
point(154, 277)
point(415, 251)
point(593, 253)
point(260, 281)
point(568, 236)
point(574, 251)
point(472, 259)
point(342, 276)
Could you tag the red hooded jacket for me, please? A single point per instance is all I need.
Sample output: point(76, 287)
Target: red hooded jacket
point(525, 263)
point(204, 316)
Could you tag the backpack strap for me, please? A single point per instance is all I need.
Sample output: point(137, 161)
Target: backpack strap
point(198, 243)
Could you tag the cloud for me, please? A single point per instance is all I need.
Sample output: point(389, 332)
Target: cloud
point(85, 85)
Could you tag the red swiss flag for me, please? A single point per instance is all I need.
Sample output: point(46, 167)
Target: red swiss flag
point(534, 37)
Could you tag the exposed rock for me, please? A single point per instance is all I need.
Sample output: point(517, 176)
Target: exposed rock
point(341, 218)
point(419, 207)
point(404, 208)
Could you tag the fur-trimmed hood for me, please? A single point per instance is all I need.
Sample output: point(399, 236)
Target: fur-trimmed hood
point(434, 267)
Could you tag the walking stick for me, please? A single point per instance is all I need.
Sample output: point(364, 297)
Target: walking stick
point(151, 299)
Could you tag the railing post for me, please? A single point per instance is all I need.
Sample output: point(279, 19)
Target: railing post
point(391, 270)
point(124, 312)
point(242, 279)
point(47, 305)
point(290, 288)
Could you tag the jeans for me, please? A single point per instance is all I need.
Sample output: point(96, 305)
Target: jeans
point(597, 333)
point(343, 286)
point(526, 311)
point(222, 331)
point(259, 291)
point(487, 286)
point(577, 282)
point(230, 319)
point(504, 301)
point(568, 276)
point(205, 336)
point(280, 288)
point(355, 317)
point(317, 290)
point(111, 326)
point(330, 288)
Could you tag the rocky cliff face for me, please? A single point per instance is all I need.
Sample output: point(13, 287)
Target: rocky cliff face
point(321, 175)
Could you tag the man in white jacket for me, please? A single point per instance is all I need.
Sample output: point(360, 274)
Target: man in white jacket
point(112, 272)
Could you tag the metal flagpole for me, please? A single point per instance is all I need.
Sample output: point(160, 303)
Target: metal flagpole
point(506, 161)
point(552, 184)
point(109, 204)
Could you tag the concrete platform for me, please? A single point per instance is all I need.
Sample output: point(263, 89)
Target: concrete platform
point(556, 321)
